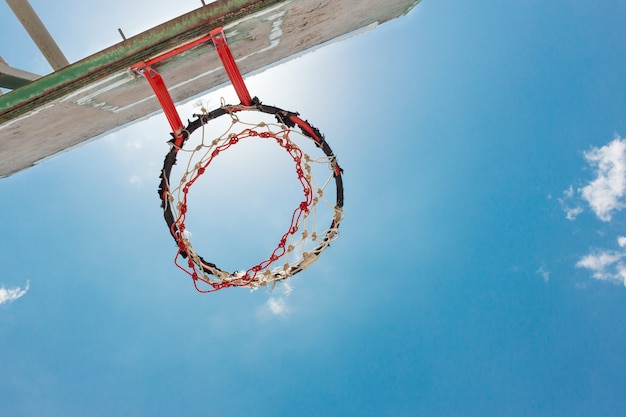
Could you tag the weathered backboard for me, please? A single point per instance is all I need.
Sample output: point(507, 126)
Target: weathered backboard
point(100, 93)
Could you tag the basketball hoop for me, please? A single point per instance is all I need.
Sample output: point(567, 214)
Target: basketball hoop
point(314, 222)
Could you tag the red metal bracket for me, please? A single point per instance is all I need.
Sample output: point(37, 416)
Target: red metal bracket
point(160, 90)
point(219, 40)
point(176, 51)
point(165, 99)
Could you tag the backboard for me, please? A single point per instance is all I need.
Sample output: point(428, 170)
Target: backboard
point(100, 93)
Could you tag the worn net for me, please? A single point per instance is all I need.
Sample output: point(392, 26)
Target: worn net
point(314, 222)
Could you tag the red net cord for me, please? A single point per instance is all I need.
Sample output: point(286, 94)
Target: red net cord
point(282, 138)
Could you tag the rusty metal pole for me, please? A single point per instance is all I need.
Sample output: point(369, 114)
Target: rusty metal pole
point(38, 32)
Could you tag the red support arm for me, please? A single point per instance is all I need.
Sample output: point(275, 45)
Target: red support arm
point(218, 38)
point(160, 90)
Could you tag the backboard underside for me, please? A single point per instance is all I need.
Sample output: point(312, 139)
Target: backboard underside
point(100, 93)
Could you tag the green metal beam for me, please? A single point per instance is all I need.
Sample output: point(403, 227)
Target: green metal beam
point(121, 56)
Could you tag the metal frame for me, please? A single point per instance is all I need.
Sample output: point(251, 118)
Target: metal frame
point(160, 89)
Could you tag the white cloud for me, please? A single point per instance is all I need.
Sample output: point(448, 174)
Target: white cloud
point(135, 180)
point(544, 274)
point(570, 212)
point(287, 288)
point(8, 295)
point(604, 194)
point(277, 306)
point(606, 265)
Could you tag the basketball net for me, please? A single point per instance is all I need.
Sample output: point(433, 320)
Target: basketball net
point(314, 222)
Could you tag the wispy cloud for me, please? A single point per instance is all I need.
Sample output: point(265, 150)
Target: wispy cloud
point(543, 273)
point(607, 265)
point(135, 179)
point(276, 306)
point(568, 204)
point(605, 193)
point(8, 295)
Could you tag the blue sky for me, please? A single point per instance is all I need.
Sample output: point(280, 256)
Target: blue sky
point(480, 269)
